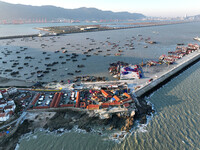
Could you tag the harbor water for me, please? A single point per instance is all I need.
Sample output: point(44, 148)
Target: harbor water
point(102, 54)
point(175, 125)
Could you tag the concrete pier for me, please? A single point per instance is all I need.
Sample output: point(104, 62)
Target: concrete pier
point(145, 86)
point(18, 36)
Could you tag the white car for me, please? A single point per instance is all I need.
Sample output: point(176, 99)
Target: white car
point(72, 94)
point(47, 102)
point(39, 103)
point(41, 99)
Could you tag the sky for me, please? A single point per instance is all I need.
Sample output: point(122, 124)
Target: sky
point(157, 8)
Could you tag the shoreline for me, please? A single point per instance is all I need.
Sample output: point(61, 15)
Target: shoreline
point(96, 28)
point(68, 119)
point(102, 28)
point(141, 95)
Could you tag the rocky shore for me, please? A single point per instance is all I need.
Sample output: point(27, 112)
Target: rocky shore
point(68, 119)
point(86, 121)
point(10, 142)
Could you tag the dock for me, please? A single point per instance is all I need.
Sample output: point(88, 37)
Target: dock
point(18, 36)
point(153, 80)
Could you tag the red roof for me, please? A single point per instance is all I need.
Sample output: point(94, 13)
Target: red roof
point(10, 112)
point(3, 103)
point(78, 99)
point(105, 94)
point(116, 98)
point(105, 105)
point(92, 106)
point(2, 91)
point(8, 107)
point(2, 114)
point(127, 105)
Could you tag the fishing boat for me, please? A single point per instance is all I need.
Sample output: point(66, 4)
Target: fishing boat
point(40, 75)
point(70, 73)
point(56, 51)
point(197, 38)
point(64, 51)
point(118, 54)
point(77, 71)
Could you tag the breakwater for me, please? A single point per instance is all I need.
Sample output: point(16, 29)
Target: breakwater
point(164, 76)
point(18, 36)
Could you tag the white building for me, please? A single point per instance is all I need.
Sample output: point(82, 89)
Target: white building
point(12, 90)
point(10, 102)
point(1, 96)
point(3, 104)
point(4, 116)
point(9, 108)
point(130, 72)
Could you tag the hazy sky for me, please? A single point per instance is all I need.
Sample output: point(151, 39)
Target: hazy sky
point(171, 8)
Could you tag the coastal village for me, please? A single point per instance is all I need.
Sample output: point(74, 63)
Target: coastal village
point(103, 99)
point(99, 75)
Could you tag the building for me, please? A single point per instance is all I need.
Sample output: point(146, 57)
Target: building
point(9, 108)
point(12, 90)
point(3, 103)
point(10, 102)
point(1, 96)
point(4, 116)
point(88, 28)
point(130, 72)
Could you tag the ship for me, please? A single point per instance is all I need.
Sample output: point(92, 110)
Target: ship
point(41, 34)
point(197, 38)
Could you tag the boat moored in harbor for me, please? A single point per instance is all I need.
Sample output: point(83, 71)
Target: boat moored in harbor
point(197, 38)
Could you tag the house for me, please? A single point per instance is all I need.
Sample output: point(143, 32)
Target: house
point(1, 110)
point(9, 108)
point(1, 96)
point(4, 116)
point(105, 94)
point(10, 102)
point(3, 103)
point(12, 90)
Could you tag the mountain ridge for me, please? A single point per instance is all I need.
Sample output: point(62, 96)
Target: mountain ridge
point(19, 11)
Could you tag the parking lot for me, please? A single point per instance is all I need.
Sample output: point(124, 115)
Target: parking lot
point(45, 99)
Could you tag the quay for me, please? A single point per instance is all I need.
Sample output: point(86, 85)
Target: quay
point(18, 36)
point(153, 80)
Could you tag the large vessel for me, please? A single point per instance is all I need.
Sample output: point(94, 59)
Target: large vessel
point(197, 38)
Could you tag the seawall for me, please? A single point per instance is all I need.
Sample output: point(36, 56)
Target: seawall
point(166, 76)
point(58, 109)
point(18, 36)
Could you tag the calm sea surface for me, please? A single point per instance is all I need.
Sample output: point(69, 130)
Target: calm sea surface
point(175, 124)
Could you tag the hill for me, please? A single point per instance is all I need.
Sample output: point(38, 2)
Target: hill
point(17, 11)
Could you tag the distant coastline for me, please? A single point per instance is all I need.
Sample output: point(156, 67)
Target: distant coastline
point(61, 30)
point(93, 28)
